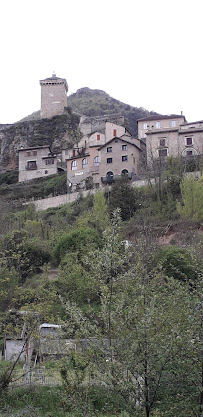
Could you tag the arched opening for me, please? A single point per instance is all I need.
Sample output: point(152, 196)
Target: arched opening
point(124, 173)
point(109, 176)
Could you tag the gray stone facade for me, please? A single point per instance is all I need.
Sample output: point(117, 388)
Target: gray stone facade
point(53, 96)
point(171, 135)
point(36, 162)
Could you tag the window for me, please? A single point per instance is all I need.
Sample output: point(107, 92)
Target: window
point(162, 153)
point(188, 141)
point(144, 126)
point(85, 163)
point(74, 165)
point(189, 153)
point(158, 125)
point(124, 172)
point(124, 157)
point(114, 132)
point(124, 147)
point(109, 176)
point(109, 160)
point(30, 153)
point(98, 137)
point(96, 161)
point(32, 165)
point(109, 149)
point(49, 161)
point(162, 142)
point(46, 172)
point(173, 123)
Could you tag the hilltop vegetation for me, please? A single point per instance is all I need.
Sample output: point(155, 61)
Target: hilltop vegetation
point(98, 103)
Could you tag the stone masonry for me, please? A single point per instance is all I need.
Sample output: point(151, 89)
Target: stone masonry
point(53, 96)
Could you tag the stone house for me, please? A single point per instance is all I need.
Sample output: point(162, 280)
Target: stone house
point(85, 159)
point(119, 157)
point(36, 162)
point(184, 140)
point(157, 122)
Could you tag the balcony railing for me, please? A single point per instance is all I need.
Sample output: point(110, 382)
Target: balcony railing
point(112, 178)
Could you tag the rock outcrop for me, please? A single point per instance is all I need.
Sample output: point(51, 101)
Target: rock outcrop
point(59, 132)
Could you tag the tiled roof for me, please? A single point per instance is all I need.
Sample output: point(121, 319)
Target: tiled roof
point(123, 140)
point(161, 117)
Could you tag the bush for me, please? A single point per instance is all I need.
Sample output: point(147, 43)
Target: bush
point(78, 240)
point(177, 263)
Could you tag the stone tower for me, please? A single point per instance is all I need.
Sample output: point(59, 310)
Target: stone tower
point(53, 96)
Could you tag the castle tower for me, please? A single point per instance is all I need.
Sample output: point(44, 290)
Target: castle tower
point(53, 96)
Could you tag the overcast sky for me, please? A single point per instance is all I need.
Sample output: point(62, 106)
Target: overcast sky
point(146, 53)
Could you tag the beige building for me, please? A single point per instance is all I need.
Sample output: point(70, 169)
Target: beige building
point(36, 162)
point(157, 122)
point(170, 135)
point(120, 156)
point(87, 158)
point(185, 140)
point(53, 96)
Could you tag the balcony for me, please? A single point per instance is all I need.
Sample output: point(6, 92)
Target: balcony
point(109, 179)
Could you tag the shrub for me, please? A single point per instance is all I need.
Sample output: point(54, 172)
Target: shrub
point(78, 240)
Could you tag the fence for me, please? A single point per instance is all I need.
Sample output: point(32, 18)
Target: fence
point(36, 376)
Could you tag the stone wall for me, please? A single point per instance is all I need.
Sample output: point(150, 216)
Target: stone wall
point(59, 200)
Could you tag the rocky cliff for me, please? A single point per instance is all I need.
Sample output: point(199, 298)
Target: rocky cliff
point(59, 132)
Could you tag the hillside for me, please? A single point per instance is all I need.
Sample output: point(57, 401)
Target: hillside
point(98, 103)
point(90, 102)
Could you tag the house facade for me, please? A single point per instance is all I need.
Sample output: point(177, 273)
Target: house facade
point(88, 157)
point(36, 162)
point(157, 122)
point(119, 157)
point(170, 135)
point(186, 140)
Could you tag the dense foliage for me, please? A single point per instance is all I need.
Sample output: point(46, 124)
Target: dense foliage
point(136, 304)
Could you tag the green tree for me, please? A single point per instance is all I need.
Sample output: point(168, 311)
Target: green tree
point(143, 334)
point(192, 197)
point(123, 196)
